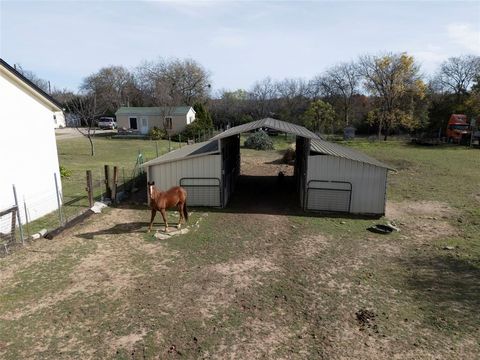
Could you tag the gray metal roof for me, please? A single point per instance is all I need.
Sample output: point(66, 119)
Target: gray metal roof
point(154, 110)
point(203, 148)
point(329, 148)
point(268, 123)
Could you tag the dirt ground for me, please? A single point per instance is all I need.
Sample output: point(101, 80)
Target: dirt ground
point(241, 285)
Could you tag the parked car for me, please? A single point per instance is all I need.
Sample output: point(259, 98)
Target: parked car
point(107, 123)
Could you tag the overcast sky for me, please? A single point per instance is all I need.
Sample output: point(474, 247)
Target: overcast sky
point(239, 42)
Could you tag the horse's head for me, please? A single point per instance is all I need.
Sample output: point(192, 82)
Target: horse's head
point(150, 186)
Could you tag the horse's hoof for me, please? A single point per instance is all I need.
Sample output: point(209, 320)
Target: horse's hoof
point(179, 226)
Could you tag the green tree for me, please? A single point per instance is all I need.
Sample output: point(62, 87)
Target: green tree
point(320, 116)
point(394, 81)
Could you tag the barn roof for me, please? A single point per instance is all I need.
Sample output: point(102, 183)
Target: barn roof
point(185, 152)
point(154, 110)
point(268, 123)
point(328, 148)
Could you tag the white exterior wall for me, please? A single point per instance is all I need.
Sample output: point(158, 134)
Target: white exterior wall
point(369, 182)
point(59, 121)
point(169, 174)
point(190, 116)
point(28, 151)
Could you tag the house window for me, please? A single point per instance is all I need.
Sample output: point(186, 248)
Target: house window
point(167, 123)
point(55, 119)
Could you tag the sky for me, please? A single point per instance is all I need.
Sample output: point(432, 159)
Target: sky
point(238, 42)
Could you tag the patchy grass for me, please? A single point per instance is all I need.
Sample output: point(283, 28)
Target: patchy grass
point(247, 285)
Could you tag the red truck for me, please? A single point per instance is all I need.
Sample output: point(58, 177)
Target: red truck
point(458, 129)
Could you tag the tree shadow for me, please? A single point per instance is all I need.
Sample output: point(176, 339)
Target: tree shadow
point(448, 288)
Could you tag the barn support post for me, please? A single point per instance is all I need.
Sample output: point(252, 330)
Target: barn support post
point(59, 201)
point(114, 184)
point(89, 187)
point(18, 214)
point(108, 185)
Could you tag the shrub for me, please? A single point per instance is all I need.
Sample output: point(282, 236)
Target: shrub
point(64, 172)
point(156, 133)
point(259, 141)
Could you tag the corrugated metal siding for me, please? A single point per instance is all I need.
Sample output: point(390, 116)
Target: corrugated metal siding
point(169, 174)
point(329, 148)
point(368, 181)
point(185, 151)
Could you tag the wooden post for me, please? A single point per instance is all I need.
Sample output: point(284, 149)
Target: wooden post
point(108, 185)
point(89, 187)
point(114, 184)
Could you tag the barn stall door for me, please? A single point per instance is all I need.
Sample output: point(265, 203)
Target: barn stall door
point(332, 196)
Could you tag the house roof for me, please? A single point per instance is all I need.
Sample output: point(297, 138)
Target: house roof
point(268, 123)
point(31, 88)
point(187, 151)
point(154, 110)
point(328, 148)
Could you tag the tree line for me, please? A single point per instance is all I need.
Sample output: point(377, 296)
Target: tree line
point(383, 93)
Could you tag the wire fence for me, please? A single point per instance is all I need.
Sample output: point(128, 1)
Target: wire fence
point(32, 215)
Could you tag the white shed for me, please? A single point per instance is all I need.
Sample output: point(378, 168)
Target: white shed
point(328, 177)
point(29, 158)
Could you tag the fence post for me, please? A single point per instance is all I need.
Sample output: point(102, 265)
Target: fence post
point(59, 202)
point(156, 148)
point(108, 187)
point(26, 217)
point(114, 184)
point(89, 187)
point(18, 214)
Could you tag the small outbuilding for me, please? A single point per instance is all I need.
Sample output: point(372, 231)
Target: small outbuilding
point(328, 177)
point(141, 119)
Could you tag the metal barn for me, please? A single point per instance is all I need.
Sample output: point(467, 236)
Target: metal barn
point(328, 177)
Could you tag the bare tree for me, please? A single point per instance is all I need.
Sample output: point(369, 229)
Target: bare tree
point(261, 95)
point(177, 82)
point(457, 74)
point(114, 86)
point(341, 82)
point(30, 75)
point(85, 107)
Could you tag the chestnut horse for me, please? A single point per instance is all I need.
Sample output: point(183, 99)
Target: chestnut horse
point(162, 200)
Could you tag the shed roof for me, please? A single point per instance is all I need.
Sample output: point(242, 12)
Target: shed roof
point(328, 148)
point(154, 110)
point(34, 90)
point(268, 123)
point(203, 148)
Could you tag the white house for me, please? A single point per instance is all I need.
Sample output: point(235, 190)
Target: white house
point(29, 158)
point(59, 120)
point(142, 119)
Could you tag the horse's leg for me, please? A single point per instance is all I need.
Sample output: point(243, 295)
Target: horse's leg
point(154, 212)
point(180, 212)
point(164, 215)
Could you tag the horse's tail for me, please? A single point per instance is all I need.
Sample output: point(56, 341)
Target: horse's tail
point(185, 211)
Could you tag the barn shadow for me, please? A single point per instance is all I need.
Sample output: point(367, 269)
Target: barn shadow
point(272, 195)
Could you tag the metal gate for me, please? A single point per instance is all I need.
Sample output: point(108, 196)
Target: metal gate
point(202, 191)
point(328, 195)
